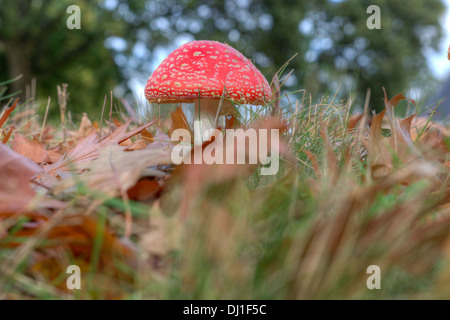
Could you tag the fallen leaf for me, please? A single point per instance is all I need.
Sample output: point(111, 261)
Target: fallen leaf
point(89, 148)
point(354, 121)
point(137, 145)
point(85, 126)
point(116, 170)
point(32, 149)
point(144, 189)
point(179, 121)
point(16, 172)
point(147, 136)
point(54, 154)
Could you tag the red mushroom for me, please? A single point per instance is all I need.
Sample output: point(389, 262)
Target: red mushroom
point(199, 72)
point(448, 53)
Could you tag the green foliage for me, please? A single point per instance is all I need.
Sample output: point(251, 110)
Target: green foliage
point(335, 48)
point(121, 40)
point(35, 42)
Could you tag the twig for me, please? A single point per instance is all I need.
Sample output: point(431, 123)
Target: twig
point(295, 120)
point(101, 119)
point(33, 89)
point(366, 110)
point(45, 118)
point(62, 101)
point(110, 114)
point(276, 96)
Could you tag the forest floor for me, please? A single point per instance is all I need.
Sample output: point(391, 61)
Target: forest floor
point(352, 191)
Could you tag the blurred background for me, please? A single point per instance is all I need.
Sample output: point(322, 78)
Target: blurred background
point(121, 42)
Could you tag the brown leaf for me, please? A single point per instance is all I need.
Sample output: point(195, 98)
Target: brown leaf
point(89, 148)
point(432, 135)
point(32, 149)
point(354, 121)
point(392, 103)
point(126, 143)
point(16, 172)
point(78, 235)
point(143, 190)
point(386, 152)
point(137, 145)
point(116, 170)
point(147, 136)
point(85, 126)
point(55, 154)
point(179, 121)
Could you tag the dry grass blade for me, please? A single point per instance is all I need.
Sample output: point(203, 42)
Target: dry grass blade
point(7, 113)
point(7, 136)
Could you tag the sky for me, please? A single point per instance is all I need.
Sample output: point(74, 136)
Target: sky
point(438, 61)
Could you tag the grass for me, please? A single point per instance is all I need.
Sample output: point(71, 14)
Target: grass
point(346, 197)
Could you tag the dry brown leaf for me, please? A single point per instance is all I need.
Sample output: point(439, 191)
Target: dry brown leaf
point(354, 121)
point(147, 136)
point(385, 151)
point(32, 149)
point(137, 145)
point(55, 154)
point(89, 148)
point(144, 189)
point(85, 126)
point(77, 234)
point(116, 170)
point(16, 171)
point(432, 136)
point(179, 121)
point(126, 143)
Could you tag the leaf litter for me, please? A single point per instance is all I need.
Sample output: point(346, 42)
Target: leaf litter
point(120, 209)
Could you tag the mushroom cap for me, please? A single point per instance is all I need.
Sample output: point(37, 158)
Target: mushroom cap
point(202, 70)
point(448, 53)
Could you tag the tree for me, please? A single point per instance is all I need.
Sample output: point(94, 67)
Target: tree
point(119, 40)
point(335, 48)
point(35, 42)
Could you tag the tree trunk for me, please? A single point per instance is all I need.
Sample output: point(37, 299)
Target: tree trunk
point(18, 63)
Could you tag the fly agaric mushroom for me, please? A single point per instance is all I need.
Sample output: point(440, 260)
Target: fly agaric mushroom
point(200, 71)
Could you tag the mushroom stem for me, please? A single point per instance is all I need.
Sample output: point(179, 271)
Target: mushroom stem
point(206, 108)
point(206, 111)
